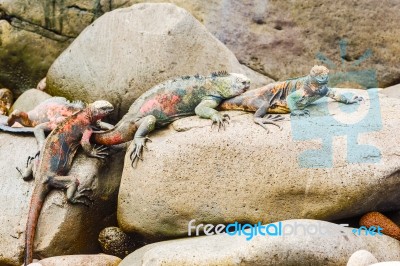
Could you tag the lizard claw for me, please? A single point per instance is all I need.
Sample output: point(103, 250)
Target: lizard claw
point(299, 113)
point(99, 151)
point(81, 196)
point(268, 120)
point(220, 120)
point(31, 158)
point(357, 99)
point(137, 152)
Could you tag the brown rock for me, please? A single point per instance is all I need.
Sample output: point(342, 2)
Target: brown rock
point(283, 39)
point(6, 100)
point(115, 242)
point(25, 56)
point(378, 219)
point(127, 51)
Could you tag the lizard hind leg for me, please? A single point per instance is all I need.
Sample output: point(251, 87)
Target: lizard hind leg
point(75, 193)
point(146, 125)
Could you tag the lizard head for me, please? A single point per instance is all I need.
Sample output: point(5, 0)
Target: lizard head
point(319, 75)
point(229, 85)
point(100, 109)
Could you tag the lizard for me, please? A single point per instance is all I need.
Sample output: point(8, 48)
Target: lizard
point(171, 100)
point(44, 118)
point(289, 96)
point(6, 99)
point(55, 161)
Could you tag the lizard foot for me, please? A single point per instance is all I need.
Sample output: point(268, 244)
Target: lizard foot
point(220, 120)
point(99, 151)
point(269, 119)
point(137, 153)
point(356, 99)
point(82, 196)
point(299, 113)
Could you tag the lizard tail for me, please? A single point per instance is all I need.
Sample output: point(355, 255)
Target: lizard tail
point(38, 197)
point(123, 132)
point(28, 130)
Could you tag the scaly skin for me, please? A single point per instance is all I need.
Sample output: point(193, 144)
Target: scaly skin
point(44, 118)
point(290, 96)
point(6, 100)
point(56, 159)
point(171, 100)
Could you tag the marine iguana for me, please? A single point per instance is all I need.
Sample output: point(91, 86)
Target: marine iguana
point(43, 118)
point(171, 100)
point(6, 99)
point(56, 159)
point(289, 96)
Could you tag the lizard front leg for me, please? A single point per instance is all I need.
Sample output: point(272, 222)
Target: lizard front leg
point(92, 151)
point(146, 125)
point(261, 118)
point(337, 96)
point(74, 193)
point(293, 101)
point(206, 109)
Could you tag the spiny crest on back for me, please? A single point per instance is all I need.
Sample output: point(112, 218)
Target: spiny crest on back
point(222, 73)
point(78, 104)
point(62, 100)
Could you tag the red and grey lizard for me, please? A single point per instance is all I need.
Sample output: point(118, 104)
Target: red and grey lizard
point(289, 96)
point(55, 162)
point(44, 118)
point(171, 100)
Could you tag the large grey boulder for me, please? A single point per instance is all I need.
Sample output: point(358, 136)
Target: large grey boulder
point(63, 228)
point(129, 50)
point(319, 167)
point(301, 249)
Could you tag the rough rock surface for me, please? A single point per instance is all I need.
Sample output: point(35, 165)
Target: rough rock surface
point(33, 34)
point(361, 258)
point(29, 100)
point(283, 39)
point(277, 38)
point(393, 91)
point(243, 174)
point(223, 249)
point(127, 51)
point(114, 241)
point(63, 228)
point(73, 260)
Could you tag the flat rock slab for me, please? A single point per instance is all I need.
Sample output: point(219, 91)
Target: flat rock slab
point(302, 249)
point(63, 228)
point(127, 51)
point(341, 162)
